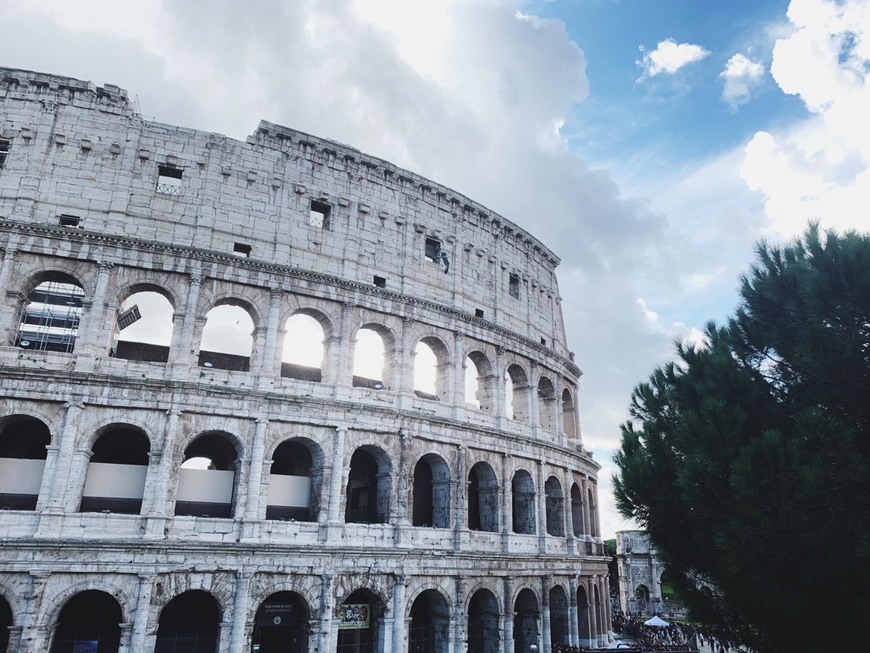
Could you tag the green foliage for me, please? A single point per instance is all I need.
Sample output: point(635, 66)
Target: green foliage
point(747, 460)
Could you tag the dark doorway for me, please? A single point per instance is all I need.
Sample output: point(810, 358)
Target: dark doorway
point(359, 623)
point(189, 623)
point(281, 624)
point(483, 617)
point(90, 622)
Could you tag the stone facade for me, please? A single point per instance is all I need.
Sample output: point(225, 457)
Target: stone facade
point(338, 511)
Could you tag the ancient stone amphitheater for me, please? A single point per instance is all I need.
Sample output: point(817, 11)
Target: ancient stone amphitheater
point(275, 395)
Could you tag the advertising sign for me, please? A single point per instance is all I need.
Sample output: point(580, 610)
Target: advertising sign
point(353, 616)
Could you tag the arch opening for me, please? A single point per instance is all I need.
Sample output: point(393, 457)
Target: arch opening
point(569, 417)
point(281, 624)
point(478, 382)
point(143, 327)
point(546, 405)
point(558, 617)
point(429, 631)
point(523, 503)
point(360, 621)
point(302, 357)
point(6, 622)
point(431, 493)
point(227, 338)
point(90, 621)
point(526, 621)
point(189, 622)
point(555, 506)
point(291, 484)
point(23, 442)
point(50, 316)
point(368, 488)
point(516, 389)
point(577, 510)
point(369, 360)
point(583, 619)
point(207, 478)
point(115, 480)
point(483, 623)
point(483, 506)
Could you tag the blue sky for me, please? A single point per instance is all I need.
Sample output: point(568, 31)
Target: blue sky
point(649, 143)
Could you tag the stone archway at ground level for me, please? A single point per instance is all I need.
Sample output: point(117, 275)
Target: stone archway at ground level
point(281, 624)
point(360, 624)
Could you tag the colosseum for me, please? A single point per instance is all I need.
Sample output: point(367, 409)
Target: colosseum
point(275, 395)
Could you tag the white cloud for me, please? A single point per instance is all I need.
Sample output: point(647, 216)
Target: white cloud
point(741, 76)
point(669, 57)
point(818, 168)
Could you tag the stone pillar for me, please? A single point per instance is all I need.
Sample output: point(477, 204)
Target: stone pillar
point(268, 363)
point(506, 503)
point(238, 640)
point(507, 616)
point(57, 477)
point(90, 346)
point(541, 504)
point(545, 643)
point(458, 491)
point(534, 407)
point(7, 264)
point(403, 365)
point(457, 401)
point(75, 484)
point(402, 484)
point(398, 634)
point(499, 401)
point(343, 363)
point(325, 635)
point(593, 610)
point(460, 617)
point(256, 473)
point(336, 484)
point(186, 354)
point(33, 633)
point(573, 625)
point(140, 616)
point(158, 509)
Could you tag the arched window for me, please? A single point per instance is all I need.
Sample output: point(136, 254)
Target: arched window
point(558, 617)
point(90, 621)
point(483, 507)
point(431, 502)
point(569, 417)
point(555, 507)
point(115, 480)
point(526, 621)
point(303, 349)
point(546, 404)
point(577, 509)
point(517, 393)
point(369, 360)
point(360, 620)
point(523, 503)
point(50, 318)
point(430, 623)
point(478, 382)
point(143, 327)
point(207, 478)
point(23, 442)
point(584, 617)
point(291, 484)
point(368, 487)
point(227, 338)
point(483, 623)
point(430, 369)
point(189, 622)
point(282, 624)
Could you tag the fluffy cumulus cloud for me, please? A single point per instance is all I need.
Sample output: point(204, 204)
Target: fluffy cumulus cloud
point(740, 77)
point(669, 57)
point(819, 168)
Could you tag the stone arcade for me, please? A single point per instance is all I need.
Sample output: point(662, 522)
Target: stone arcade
point(202, 488)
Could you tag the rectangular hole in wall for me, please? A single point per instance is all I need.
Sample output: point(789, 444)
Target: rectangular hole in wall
point(380, 282)
point(514, 285)
point(318, 215)
point(478, 312)
point(240, 249)
point(433, 249)
point(67, 220)
point(169, 180)
point(5, 145)
point(544, 341)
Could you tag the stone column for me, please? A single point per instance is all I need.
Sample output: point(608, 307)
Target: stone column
point(33, 633)
point(403, 365)
point(158, 509)
point(343, 363)
point(140, 616)
point(534, 408)
point(268, 364)
point(398, 634)
point(507, 617)
point(544, 644)
point(541, 505)
point(593, 610)
point(336, 484)
point(78, 474)
point(458, 489)
point(55, 479)
point(457, 401)
point(185, 356)
point(325, 638)
point(506, 503)
point(499, 401)
point(256, 472)
point(238, 639)
point(573, 626)
point(91, 345)
point(7, 264)
point(460, 619)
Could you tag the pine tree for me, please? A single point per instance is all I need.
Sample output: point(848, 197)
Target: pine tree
point(746, 460)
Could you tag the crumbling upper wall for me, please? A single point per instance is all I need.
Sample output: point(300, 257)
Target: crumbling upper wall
point(78, 148)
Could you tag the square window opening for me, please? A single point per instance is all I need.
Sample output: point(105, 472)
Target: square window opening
point(380, 282)
point(544, 341)
point(169, 180)
point(433, 250)
point(514, 285)
point(318, 215)
point(242, 250)
point(478, 312)
point(67, 220)
point(5, 146)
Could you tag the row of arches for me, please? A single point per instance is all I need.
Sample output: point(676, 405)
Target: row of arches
point(308, 344)
point(95, 620)
point(118, 475)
